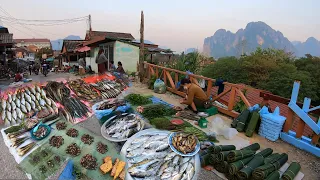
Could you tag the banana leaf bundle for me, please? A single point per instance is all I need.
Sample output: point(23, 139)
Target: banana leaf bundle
point(222, 167)
point(253, 147)
point(291, 172)
point(274, 176)
point(231, 177)
point(263, 171)
point(222, 156)
point(205, 160)
point(212, 159)
point(218, 149)
point(236, 166)
point(252, 123)
point(237, 155)
point(245, 173)
point(265, 153)
point(241, 120)
point(272, 158)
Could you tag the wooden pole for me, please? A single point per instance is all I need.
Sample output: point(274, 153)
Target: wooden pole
point(141, 58)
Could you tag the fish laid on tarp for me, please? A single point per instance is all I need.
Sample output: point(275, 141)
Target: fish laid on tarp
point(291, 172)
point(263, 171)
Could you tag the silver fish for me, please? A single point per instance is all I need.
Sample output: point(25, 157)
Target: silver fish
point(18, 103)
point(190, 171)
point(33, 98)
point(32, 89)
point(28, 107)
point(3, 114)
point(53, 104)
point(48, 101)
point(33, 105)
point(166, 175)
point(27, 91)
point(143, 157)
point(184, 160)
point(168, 170)
point(170, 156)
point(183, 168)
point(3, 104)
point(176, 160)
point(153, 144)
point(157, 137)
point(163, 167)
point(13, 105)
point(37, 88)
point(42, 102)
point(19, 113)
point(140, 169)
point(176, 176)
point(38, 96)
point(14, 97)
point(140, 140)
point(43, 94)
point(134, 146)
point(14, 115)
point(9, 117)
point(135, 152)
point(9, 98)
point(28, 98)
point(23, 101)
point(24, 109)
point(9, 106)
point(162, 147)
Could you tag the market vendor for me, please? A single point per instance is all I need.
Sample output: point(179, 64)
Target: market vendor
point(196, 97)
point(102, 61)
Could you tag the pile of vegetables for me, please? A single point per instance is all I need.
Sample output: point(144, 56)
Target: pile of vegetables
point(137, 99)
point(157, 110)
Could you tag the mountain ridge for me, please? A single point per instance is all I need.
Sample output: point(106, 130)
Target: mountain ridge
point(57, 44)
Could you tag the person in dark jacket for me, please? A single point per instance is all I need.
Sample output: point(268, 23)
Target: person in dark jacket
point(102, 61)
point(120, 68)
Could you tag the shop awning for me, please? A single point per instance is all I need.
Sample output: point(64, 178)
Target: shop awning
point(83, 49)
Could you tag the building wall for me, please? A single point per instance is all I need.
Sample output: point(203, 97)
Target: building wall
point(92, 59)
point(38, 44)
point(127, 54)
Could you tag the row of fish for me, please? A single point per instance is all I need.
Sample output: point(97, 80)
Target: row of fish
point(23, 102)
point(150, 157)
point(108, 89)
point(83, 90)
point(123, 126)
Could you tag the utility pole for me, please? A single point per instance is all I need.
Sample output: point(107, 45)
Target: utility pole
point(141, 59)
point(90, 28)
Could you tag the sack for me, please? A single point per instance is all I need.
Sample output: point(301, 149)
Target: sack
point(159, 87)
point(102, 113)
point(219, 127)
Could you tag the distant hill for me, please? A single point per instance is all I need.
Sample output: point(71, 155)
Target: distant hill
point(57, 44)
point(256, 34)
point(311, 46)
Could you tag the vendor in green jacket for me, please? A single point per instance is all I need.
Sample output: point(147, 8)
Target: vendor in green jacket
point(196, 97)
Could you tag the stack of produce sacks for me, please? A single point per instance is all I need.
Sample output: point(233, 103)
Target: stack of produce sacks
point(246, 164)
point(271, 123)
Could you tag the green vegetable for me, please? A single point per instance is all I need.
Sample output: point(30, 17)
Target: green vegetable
point(137, 99)
point(157, 110)
point(13, 129)
point(202, 136)
point(162, 123)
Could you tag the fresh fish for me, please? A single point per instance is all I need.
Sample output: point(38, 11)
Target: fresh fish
point(33, 105)
point(135, 152)
point(28, 98)
point(184, 176)
point(43, 94)
point(13, 105)
point(33, 98)
point(27, 91)
point(143, 165)
point(9, 98)
point(142, 169)
point(53, 104)
point(24, 109)
point(38, 96)
point(153, 144)
point(14, 97)
point(23, 101)
point(28, 107)
point(48, 101)
point(134, 146)
point(190, 171)
point(185, 159)
point(157, 137)
point(42, 102)
point(183, 168)
point(176, 160)
point(18, 103)
point(9, 116)
point(162, 147)
point(140, 140)
point(176, 176)
point(3, 114)
point(168, 170)
point(19, 113)
point(37, 88)
point(3, 104)
point(170, 156)
point(166, 175)
point(163, 167)
point(32, 90)
point(9, 106)
point(143, 157)
point(14, 115)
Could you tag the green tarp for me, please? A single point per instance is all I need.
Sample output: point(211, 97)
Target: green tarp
point(237, 155)
point(265, 153)
point(252, 123)
point(272, 158)
point(264, 171)
point(240, 122)
point(253, 147)
point(292, 171)
point(222, 156)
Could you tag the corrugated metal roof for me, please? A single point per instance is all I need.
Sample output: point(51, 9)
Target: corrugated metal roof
point(113, 35)
point(71, 45)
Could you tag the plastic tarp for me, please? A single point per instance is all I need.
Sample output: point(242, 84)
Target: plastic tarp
point(96, 78)
point(102, 113)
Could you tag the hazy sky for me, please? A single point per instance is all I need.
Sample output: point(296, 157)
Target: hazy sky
point(178, 24)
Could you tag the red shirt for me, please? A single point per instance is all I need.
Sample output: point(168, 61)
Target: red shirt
point(18, 77)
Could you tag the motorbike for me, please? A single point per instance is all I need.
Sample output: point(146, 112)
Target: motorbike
point(45, 70)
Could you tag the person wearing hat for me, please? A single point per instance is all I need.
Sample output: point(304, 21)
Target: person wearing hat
point(196, 97)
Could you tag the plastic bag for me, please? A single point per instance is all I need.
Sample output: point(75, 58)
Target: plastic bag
point(221, 129)
point(202, 83)
point(102, 113)
point(159, 87)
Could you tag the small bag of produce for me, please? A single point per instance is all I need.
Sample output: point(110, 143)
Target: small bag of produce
point(159, 87)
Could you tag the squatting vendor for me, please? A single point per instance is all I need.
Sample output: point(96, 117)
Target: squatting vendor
point(196, 97)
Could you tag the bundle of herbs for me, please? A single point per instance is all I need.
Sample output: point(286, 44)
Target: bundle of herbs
point(157, 110)
point(137, 99)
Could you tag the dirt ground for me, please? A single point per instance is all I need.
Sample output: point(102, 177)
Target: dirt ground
point(310, 164)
